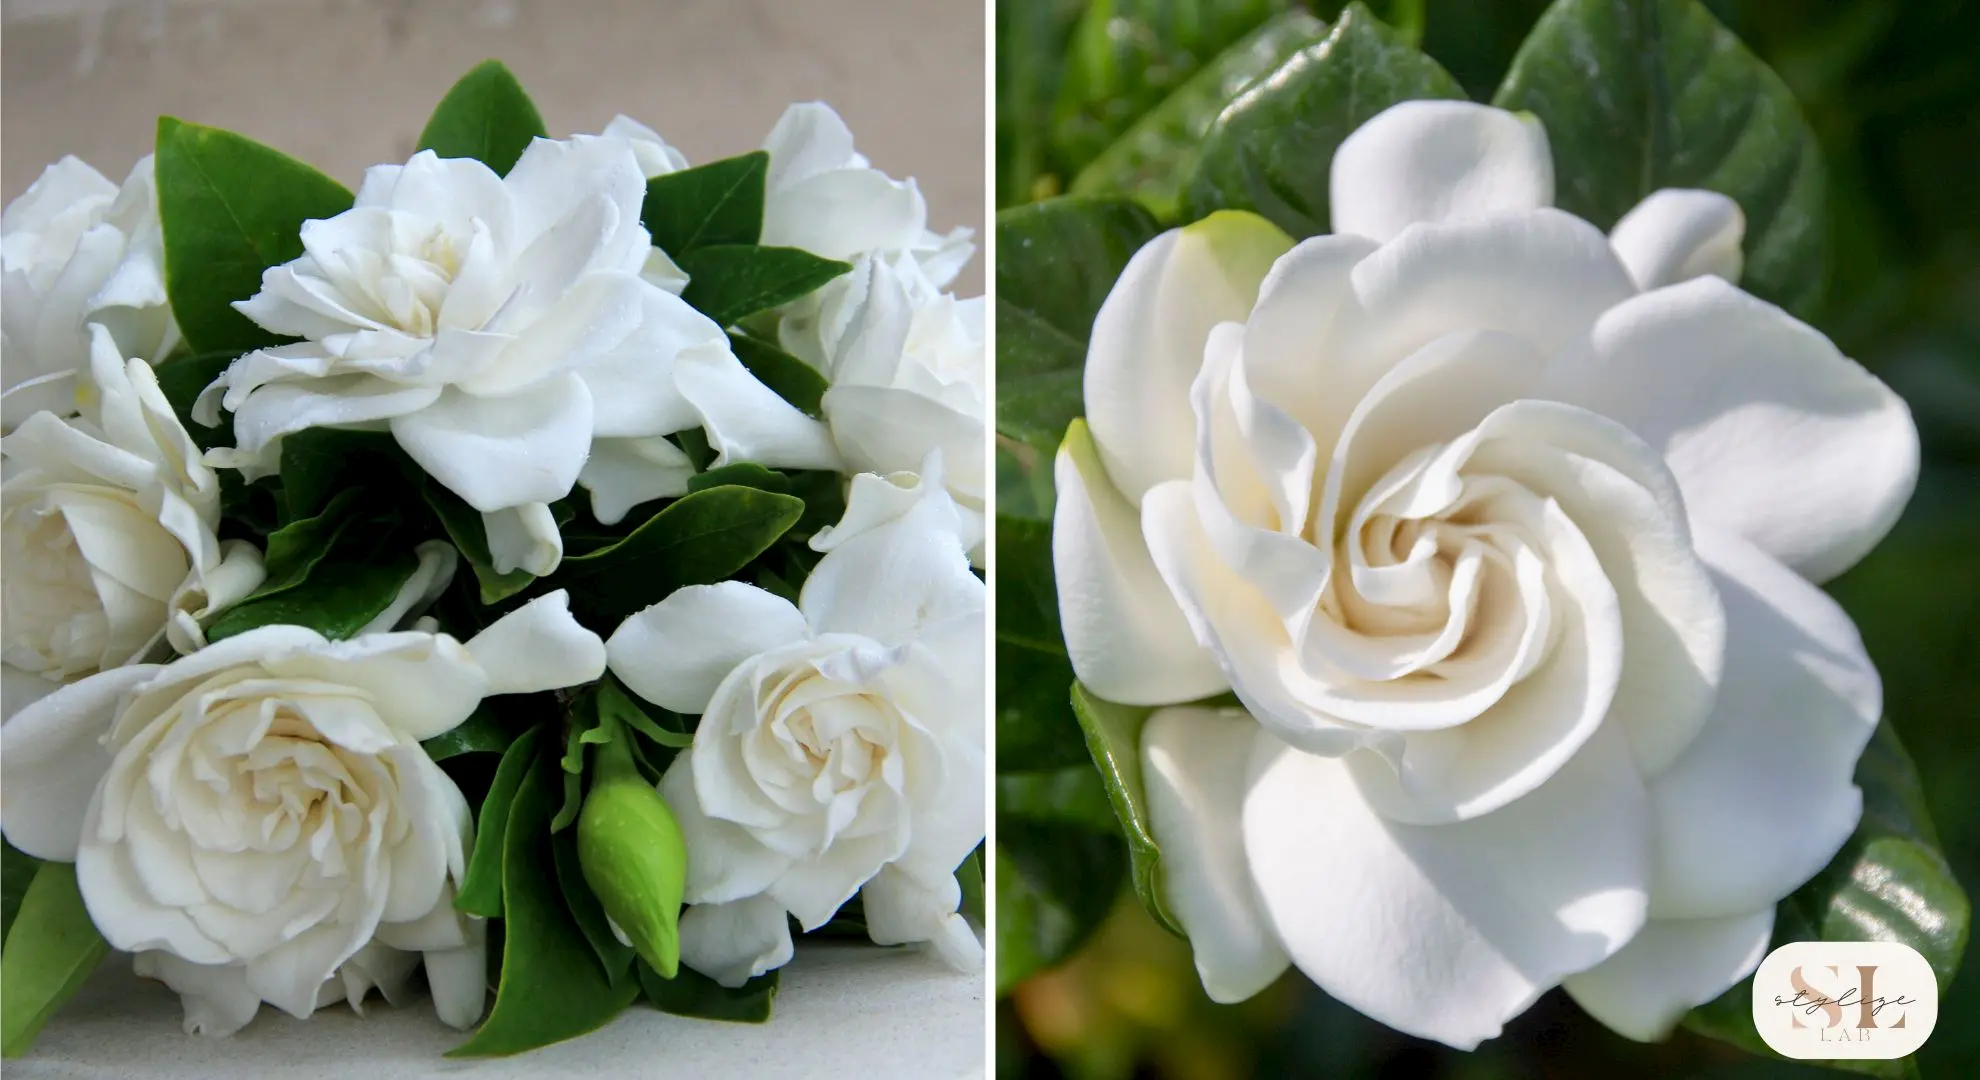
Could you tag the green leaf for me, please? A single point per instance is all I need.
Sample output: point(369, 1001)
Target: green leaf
point(730, 282)
point(339, 597)
point(717, 203)
point(320, 463)
point(1656, 94)
point(1151, 159)
point(1036, 728)
point(794, 380)
point(230, 208)
point(181, 379)
point(1128, 55)
point(42, 968)
point(486, 116)
point(698, 539)
point(1890, 882)
point(1055, 885)
point(296, 548)
point(481, 890)
point(969, 878)
point(552, 987)
point(470, 537)
point(1113, 737)
point(17, 870)
point(614, 959)
point(690, 993)
point(1271, 150)
point(1056, 262)
point(1031, 40)
point(480, 733)
point(741, 474)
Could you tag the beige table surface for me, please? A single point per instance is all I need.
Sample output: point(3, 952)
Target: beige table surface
point(841, 1011)
point(344, 84)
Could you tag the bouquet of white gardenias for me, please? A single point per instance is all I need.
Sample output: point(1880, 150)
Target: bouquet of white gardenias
point(551, 550)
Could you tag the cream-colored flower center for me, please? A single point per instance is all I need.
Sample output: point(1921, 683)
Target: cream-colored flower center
point(406, 285)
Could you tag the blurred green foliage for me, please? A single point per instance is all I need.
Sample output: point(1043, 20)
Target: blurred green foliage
point(1892, 90)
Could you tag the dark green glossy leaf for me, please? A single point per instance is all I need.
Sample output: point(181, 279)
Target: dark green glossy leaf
point(1031, 40)
point(741, 474)
point(296, 548)
point(690, 993)
point(552, 986)
point(1152, 159)
point(1036, 728)
point(17, 870)
point(1113, 737)
point(730, 282)
point(1126, 56)
point(698, 539)
point(470, 537)
point(320, 463)
point(794, 380)
point(486, 116)
point(1271, 150)
point(480, 733)
point(969, 878)
point(339, 597)
point(1055, 885)
point(717, 203)
point(44, 965)
point(230, 208)
point(614, 958)
point(481, 890)
point(1639, 95)
point(1056, 262)
point(181, 379)
point(1890, 882)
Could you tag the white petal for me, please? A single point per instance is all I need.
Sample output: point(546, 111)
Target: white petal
point(808, 139)
point(501, 452)
point(215, 996)
point(207, 593)
point(290, 975)
point(523, 538)
point(420, 684)
point(901, 910)
point(52, 758)
point(437, 562)
point(623, 473)
point(892, 583)
point(1772, 433)
point(881, 429)
point(1678, 234)
point(632, 386)
point(843, 212)
point(1438, 161)
point(538, 646)
point(746, 420)
point(1672, 967)
point(279, 409)
point(873, 500)
point(1763, 798)
point(1148, 339)
point(458, 978)
point(732, 942)
point(1195, 766)
point(1448, 931)
point(728, 863)
point(1128, 640)
point(677, 651)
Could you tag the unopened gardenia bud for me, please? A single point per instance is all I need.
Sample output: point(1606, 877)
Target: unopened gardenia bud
point(633, 857)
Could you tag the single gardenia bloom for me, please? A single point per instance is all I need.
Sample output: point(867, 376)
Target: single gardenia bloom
point(840, 742)
point(109, 523)
point(76, 249)
point(1506, 536)
point(822, 195)
point(906, 364)
point(500, 328)
point(263, 808)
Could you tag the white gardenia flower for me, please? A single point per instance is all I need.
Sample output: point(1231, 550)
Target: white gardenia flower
point(840, 742)
point(906, 364)
point(1506, 534)
point(108, 522)
point(263, 808)
point(500, 328)
point(76, 249)
point(822, 195)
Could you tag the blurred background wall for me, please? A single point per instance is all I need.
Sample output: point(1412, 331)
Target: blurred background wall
point(343, 84)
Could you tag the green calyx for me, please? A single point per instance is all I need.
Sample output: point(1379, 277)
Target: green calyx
point(634, 858)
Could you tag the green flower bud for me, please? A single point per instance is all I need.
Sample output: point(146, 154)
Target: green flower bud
point(633, 856)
